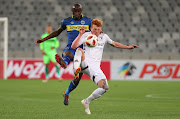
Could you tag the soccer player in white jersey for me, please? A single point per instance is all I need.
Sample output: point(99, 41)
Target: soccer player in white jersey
point(88, 61)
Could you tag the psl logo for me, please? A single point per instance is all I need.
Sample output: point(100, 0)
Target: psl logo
point(126, 70)
point(162, 71)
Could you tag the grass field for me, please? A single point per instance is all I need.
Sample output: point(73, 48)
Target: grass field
point(32, 99)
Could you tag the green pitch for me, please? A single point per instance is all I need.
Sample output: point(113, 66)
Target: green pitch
point(32, 99)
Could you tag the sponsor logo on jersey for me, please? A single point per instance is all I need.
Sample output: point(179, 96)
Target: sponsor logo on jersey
point(76, 27)
point(82, 22)
point(100, 44)
point(72, 22)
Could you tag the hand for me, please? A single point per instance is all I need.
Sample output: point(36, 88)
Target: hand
point(39, 41)
point(43, 53)
point(133, 46)
point(52, 48)
point(82, 30)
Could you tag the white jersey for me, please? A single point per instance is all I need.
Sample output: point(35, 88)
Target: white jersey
point(94, 54)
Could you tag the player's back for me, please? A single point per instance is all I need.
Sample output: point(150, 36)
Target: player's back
point(72, 26)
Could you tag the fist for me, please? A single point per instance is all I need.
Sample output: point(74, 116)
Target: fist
point(43, 53)
point(52, 48)
point(82, 30)
point(39, 41)
point(133, 46)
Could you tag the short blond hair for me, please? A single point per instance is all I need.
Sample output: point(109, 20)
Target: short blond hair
point(97, 22)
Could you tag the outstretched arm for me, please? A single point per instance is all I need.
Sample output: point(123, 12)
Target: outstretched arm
point(52, 35)
point(122, 46)
point(75, 43)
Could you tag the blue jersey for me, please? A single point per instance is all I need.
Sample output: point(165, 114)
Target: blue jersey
point(72, 26)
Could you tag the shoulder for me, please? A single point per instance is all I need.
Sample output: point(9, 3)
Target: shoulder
point(44, 34)
point(87, 33)
point(104, 35)
point(67, 19)
point(87, 18)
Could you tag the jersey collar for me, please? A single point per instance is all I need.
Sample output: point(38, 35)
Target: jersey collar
point(81, 15)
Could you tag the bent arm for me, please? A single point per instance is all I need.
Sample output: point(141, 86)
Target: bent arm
point(75, 43)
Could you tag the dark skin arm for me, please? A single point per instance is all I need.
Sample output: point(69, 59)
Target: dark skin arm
point(52, 35)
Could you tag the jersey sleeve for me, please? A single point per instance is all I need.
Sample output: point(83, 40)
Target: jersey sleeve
point(63, 24)
point(108, 40)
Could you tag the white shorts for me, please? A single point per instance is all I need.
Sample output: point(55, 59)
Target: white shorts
point(94, 72)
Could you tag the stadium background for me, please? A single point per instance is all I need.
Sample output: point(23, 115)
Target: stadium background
point(154, 25)
point(151, 24)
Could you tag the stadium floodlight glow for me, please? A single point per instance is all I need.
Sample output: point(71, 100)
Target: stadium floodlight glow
point(5, 22)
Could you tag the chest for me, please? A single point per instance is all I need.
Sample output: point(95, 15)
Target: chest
point(101, 42)
point(72, 25)
point(77, 22)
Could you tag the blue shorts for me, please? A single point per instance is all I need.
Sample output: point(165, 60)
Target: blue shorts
point(68, 48)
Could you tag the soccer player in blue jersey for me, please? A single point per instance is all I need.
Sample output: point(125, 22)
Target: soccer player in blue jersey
point(72, 26)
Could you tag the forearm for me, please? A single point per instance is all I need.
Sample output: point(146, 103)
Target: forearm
point(75, 43)
point(52, 35)
point(119, 45)
point(122, 46)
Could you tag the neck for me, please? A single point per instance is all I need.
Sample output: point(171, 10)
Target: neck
point(77, 18)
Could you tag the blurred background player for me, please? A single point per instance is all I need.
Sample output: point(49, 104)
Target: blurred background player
point(72, 26)
point(89, 61)
point(49, 50)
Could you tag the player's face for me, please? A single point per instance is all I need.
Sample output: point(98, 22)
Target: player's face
point(76, 13)
point(95, 30)
point(48, 29)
